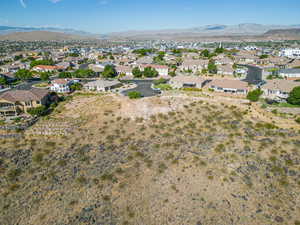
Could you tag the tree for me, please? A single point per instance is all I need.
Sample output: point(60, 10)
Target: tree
point(254, 95)
point(41, 62)
point(159, 58)
point(134, 94)
point(109, 72)
point(136, 72)
point(38, 111)
point(45, 76)
point(76, 87)
point(264, 56)
point(82, 73)
point(294, 96)
point(150, 72)
point(219, 50)
point(3, 81)
point(205, 53)
point(23, 74)
point(65, 75)
point(212, 67)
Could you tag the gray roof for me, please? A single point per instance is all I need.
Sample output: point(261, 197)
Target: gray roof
point(289, 71)
point(102, 83)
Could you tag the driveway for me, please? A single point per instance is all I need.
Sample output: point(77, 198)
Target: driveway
point(144, 87)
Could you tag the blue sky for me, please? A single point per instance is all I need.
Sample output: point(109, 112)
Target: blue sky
point(102, 16)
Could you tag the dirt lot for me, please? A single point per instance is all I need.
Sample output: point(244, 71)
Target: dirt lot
point(175, 159)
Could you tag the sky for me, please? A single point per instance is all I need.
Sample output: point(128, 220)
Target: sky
point(104, 16)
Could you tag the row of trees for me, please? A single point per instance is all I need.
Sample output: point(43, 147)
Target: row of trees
point(148, 72)
point(294, 96)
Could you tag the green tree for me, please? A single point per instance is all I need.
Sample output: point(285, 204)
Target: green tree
point(109, 72)
point(3, 81)
point(254, 95)
point(45, 76)
point(136, 72)
point(150, 72)
point(65, 75)
point(82, 73)
point(42, 62)
point(76, 87)
point(294, 96)
point(212, 67)
point(219, 50)
point(23, 74)
point(205, 53)
point(264, 56)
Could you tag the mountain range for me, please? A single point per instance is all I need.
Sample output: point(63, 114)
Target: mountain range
point(243, 31)
point(217, 30)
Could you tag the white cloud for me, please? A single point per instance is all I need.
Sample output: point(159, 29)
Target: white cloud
point(23, 3)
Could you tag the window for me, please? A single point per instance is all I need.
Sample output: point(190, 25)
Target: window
point(38, 102)
point(28, 103)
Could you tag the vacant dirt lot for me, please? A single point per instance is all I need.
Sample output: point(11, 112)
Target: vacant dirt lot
point(175, 159)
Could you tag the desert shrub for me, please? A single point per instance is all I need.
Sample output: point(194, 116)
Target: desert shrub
point(254, 95)
point(134, 95)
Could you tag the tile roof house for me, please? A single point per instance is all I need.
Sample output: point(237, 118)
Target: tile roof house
point(61, 85)
point(46, 68)
point(187, 81)
point(278, 88)
point(229, 86)
point(225, 69)
point(194, 65)
point(15, 102)
point(127, 70)
point(290, 74)
point(161, 69)
point(102, 85)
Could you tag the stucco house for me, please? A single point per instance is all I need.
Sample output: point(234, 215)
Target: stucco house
point(15, 102)
point(187, 81)
point(278, 88)
point(102, 85)
point(229, 86)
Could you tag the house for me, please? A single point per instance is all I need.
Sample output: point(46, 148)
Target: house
point(102, 85)
point(161, 69)
point(291, 52)
point(229, 86)
point(46, 68)
point(194, 65)
point(127, 70)
point(61, 85)
point(14, 102)
point(290, 74)
point(226, 70)
point(187, 81)
point(278, 88)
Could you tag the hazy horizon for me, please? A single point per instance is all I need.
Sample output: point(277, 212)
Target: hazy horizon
point(105, 16)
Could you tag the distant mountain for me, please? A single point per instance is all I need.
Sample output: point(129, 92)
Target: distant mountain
point(283, 34)
point(11, 29)
point(42, 36)
point(218, 30)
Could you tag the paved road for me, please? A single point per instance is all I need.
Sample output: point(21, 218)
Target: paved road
point(254, 75)
point(143, 86)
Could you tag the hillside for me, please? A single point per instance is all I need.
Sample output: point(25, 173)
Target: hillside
point(288, 34)
point(41, 36)
point(171, 160)
point(215, 32)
